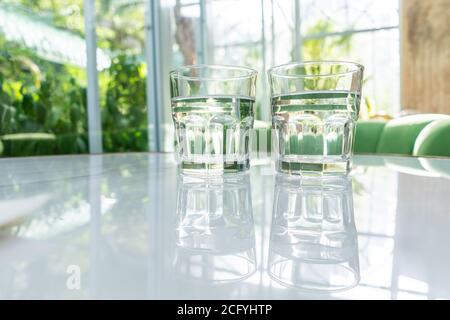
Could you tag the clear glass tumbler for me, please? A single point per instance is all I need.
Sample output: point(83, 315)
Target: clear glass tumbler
point(213, 114)
point(315, 106)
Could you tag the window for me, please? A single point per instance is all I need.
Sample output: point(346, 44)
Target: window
point(363, 31)
point(261, 34)
point(42, 78)
point(44, 90)
point(60, 101)
point(120, 29)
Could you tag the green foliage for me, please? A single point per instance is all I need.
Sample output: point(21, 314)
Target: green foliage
point(33, 101)
point(336, 47)
point(124, 114)
point(64, 14)
point(325, 48)
point(120, 26)
point(43, 107)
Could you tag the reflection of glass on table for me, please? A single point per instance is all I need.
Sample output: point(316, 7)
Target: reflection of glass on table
point(313, 243)
point(215, 238)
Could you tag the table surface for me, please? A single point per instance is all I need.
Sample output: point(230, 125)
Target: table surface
point(129, 226)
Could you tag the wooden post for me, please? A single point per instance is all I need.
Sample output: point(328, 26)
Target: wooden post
point(425, 55)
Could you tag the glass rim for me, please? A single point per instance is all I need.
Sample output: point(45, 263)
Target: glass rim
point(175, 73)
point(356, 67)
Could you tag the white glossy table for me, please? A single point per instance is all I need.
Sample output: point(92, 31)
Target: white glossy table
point(128, 226)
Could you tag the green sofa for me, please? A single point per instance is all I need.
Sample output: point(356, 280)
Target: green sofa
point(418, 135)
point(434, 140)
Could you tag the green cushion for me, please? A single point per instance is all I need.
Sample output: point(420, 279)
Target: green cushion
point(367, 135)
point(399, 135)
point(434, 140)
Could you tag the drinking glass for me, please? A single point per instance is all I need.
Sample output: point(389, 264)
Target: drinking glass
point(213, 114)
point(313, 244)
point(315, 106)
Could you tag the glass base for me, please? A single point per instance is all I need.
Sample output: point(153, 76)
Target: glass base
point(314, 168)
point(194, 168)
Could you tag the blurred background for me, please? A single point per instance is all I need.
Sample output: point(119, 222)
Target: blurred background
point(92, 76)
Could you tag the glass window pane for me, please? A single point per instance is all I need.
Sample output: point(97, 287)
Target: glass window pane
point(234, 35)
point(185, 28)
point(235, 38)
point(122, 82)
point(42, 78)
point(327, 34)
point(282, 26)
point(234, 21)
point(181, 20)
point(382, 69)
point(340, 15)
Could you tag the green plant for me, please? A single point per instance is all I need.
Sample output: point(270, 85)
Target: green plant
point(325, 48)
point(43, 107)
point(336, 47)
point(124, 114)
point(33, 102)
